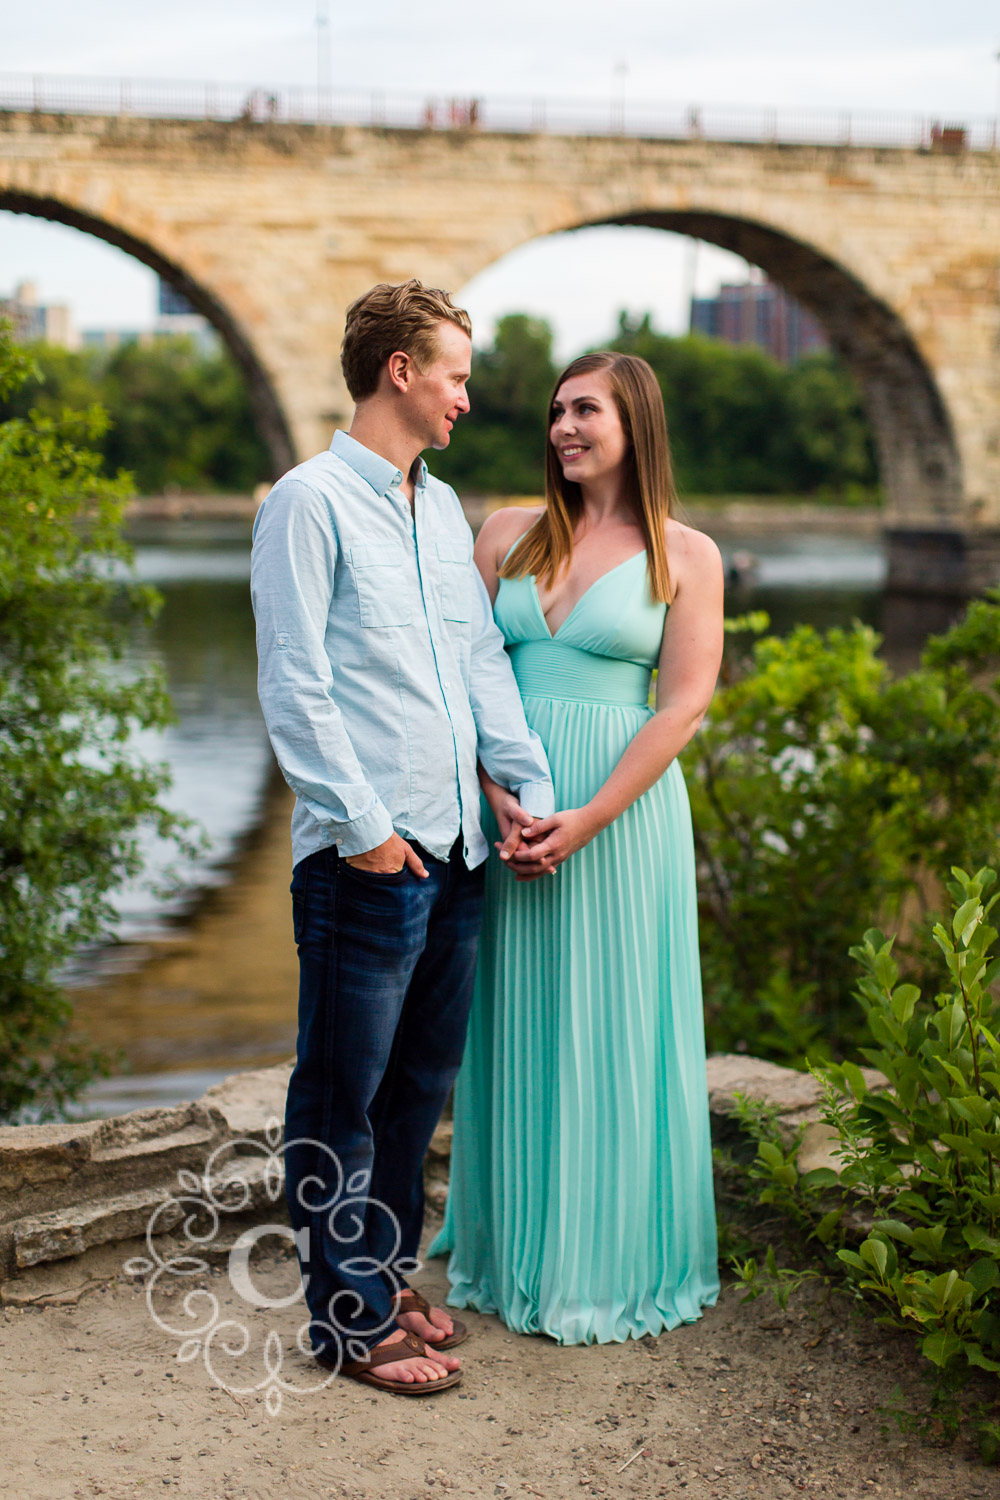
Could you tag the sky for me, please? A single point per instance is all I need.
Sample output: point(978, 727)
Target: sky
point(890, 55)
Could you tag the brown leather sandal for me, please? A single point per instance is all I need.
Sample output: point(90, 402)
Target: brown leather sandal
point(390, 1354)
point(415, 1302)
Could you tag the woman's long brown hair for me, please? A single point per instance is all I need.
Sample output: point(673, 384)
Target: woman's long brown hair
point(548, 544)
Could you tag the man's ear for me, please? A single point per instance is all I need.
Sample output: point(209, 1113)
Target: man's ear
point(400, 370)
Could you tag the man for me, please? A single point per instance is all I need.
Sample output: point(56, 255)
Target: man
point(383, 678)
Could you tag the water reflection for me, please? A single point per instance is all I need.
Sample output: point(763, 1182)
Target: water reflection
point(218, 751)
point(191, 999)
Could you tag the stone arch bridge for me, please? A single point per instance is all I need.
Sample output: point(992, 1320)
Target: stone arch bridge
point(271, 228)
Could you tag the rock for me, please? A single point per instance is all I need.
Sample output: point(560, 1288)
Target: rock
point(66, 1232)
point(245, 1102)
point(439, 1149)
point(31, 1154)
point(70, 1188)
point(796, 1096)
point(816, 1149)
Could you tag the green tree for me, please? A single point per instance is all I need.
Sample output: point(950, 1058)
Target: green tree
point(73, 794)
point(178, 416)
point(741, 423)
point(499, 448)
point(831, 441)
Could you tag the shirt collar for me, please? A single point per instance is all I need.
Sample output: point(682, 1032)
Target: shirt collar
point(372, 467)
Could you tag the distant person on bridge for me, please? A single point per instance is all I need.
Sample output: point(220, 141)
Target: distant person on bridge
point(383, 680)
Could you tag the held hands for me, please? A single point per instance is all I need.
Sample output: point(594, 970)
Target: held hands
point(512, 820)
point(531, 847)
point(550, 841)
point(388, 858)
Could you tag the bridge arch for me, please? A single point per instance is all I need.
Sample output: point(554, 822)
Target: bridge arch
point(919, 460)
point(268, 414)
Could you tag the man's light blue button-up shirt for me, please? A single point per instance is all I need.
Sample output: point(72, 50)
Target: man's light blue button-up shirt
point(381, 673)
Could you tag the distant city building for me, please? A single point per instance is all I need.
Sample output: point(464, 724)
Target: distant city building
point(176, 315)
point(172, 303)
point(758, 312)
point(33, 322)
point(114, 338)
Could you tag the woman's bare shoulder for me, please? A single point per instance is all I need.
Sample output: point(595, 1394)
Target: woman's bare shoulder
point(688, 544)
point(502, 528)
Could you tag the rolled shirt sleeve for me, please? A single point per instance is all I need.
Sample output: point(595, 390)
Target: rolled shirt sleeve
point(510, 752)
point(292, 569)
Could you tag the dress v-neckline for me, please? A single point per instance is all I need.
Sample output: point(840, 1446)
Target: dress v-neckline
point(553, 635)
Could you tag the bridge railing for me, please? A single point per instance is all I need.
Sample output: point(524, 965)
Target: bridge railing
point(153, 99)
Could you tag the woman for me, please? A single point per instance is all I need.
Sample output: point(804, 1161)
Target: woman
point(581, 1201)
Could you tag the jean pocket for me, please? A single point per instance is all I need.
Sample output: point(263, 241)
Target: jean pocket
point(298, 917)
point(379, 571)
point(298, 887)
point(376, 877)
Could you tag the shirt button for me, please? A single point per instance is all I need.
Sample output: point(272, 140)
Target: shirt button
point(339, 842)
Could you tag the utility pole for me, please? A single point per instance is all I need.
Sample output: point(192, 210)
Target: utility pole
point(689, 288)
point(618, 98)
point(323, 102)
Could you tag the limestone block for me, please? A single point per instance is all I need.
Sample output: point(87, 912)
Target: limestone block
point(241, 1186)
point(55, 1166)
point(35, 1154)
point(816, 1149)
point(246, 1184)
point(140, 1129)
point(439, 1150)
point(71, 1231)
point(796, 1095)
point(245, 1102)
point(437, 1164)
point(91, 1167)
point(164, 1147)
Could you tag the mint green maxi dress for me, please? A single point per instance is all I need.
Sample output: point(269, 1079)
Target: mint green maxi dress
point(581, 1200)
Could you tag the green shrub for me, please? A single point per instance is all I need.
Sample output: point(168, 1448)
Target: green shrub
point(826, 794)
point(909, 1224)
point(73, 793)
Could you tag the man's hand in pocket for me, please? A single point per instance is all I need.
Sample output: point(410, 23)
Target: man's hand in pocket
point(388, 858)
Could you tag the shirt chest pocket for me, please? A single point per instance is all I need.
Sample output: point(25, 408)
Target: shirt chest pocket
point(456, 581)
point(384, 595)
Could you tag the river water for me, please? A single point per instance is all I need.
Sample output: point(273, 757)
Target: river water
point(203, 982)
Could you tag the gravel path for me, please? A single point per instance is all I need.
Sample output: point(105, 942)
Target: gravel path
point(748, 1402)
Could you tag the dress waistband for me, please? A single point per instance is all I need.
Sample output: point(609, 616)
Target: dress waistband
point(550, 669)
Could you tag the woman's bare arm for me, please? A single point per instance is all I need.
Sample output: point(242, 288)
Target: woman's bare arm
point(497, 535)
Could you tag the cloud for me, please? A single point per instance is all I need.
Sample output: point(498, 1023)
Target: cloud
point(896, 54)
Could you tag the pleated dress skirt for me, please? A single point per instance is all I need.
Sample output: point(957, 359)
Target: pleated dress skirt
point(581, 1200)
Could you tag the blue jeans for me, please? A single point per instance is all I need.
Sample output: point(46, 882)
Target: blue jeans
point(386, 967)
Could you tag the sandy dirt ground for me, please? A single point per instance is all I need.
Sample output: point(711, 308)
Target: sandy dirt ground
point(748, 1402)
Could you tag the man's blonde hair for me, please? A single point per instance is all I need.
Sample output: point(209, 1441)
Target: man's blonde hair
point(391, 319)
